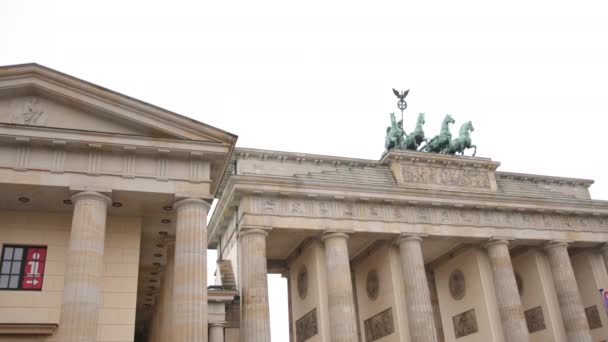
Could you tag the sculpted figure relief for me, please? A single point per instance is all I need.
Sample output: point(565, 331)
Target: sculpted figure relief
point(31, 114)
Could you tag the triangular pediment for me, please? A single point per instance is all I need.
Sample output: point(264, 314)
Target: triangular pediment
point(34, 95)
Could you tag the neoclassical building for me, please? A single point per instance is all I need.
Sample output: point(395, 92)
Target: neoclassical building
point(105, 202)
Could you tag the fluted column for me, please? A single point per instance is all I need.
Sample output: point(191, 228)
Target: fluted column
point(84, 269)
point(570, 303)
point(342, 316)
point(255, 314)
point(189, 319)
point(507, 294)
point(216, 332)
point(604, 250)
point(435, 303)
point(166, 331)
point(420, 314)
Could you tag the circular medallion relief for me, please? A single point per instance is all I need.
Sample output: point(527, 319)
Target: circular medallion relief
point(457, 285)
point(372, 284)
point(520, 283)
point(303, 282)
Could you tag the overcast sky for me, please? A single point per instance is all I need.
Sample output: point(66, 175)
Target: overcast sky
point(316, 76)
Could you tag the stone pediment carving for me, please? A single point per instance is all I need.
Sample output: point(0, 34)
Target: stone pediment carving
point(441, 171)
point(49, 112)
point(34, 95)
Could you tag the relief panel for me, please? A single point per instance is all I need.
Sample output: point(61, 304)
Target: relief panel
point(465, 323)
point(535, 319)
point(307, 326)
point(379, 325)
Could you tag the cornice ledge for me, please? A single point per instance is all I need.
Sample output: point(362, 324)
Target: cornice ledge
point(242, 153)
point(106, 95)
point(400, 156)
point(27, 328)
point(545, 179)
point(512, 202)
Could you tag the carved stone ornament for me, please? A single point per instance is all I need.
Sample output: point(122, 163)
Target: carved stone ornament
point(307, 326)
point(535, 319)
point(473, 217)
point(379, 325)
point(457, 284)
point(465, 323)
point(30, 113)
point(593, 317)
point(303, 282)
point(372, 284)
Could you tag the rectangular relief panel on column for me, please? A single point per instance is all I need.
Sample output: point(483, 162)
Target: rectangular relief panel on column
point(538, 297)
point(466, 298)
point(379, 316)
point(309, 294)
point(590, 272)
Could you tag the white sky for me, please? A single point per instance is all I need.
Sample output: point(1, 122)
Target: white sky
point(316, 76)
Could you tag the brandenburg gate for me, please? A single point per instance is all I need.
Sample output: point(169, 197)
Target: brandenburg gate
point(412, 247)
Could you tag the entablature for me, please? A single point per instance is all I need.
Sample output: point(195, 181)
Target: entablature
point(267, 199)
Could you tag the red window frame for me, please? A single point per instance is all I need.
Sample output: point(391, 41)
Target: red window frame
point(22, 267)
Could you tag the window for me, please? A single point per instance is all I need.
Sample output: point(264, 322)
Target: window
point(22, 268)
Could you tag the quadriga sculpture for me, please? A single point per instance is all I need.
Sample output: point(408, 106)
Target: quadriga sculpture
point(414, 139)
point(394, 134)
point(441, 141)
point(463, 141)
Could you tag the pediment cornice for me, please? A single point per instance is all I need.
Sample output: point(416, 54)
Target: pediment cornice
point(20, 79)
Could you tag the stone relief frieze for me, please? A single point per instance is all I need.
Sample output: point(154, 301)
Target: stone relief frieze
point(379, 325)
point(307, 326)
point(428, 215)
point(445, 176)
point(457, 284)
point(465, 323)
point(593, 317)
point(535, 319)
point(31, 113)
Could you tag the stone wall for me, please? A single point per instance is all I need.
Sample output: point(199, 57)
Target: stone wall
point(119, 284)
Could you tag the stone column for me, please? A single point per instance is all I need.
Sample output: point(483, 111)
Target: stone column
point(189, 319)
point(84, 269)
point(166, 332)
point(255, 314)
point(435, 303)
point(604, 250)
point(216, 332)
point(421, 318)
point(342, 316)
point(507, 294)
point(570, 303)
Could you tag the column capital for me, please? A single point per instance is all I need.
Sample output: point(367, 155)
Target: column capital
point(556, 243)
point(92, 195)
point(191, 201)
point(258, 230)
point(218, 324)
point(496, 241)
point(404, 237)
point(332, 234)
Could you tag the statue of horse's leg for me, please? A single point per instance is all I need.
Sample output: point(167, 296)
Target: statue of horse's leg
point(475, 150)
